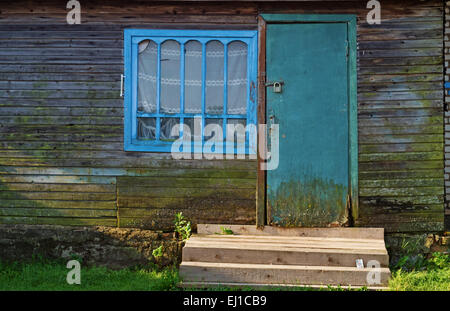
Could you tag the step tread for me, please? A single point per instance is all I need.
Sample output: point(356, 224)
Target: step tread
point(268, 285)
point(288, 244)
point(266, 238)
point(280, 248)
point(276, 267)
point(354, 232)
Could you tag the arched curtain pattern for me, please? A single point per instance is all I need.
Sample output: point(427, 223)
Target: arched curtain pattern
point(170, 82)
point(237, 78)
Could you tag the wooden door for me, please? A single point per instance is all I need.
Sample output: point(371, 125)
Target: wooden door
point(311, 186)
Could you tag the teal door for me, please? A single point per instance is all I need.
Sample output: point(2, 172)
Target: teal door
point(312, 185)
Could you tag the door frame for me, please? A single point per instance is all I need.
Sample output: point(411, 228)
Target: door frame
point(262, 209)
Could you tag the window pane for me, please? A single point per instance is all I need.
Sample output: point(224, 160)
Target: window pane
point(189, 122)
point(147, 62)
point(166, 128)
point(170, 77)
point(212, 122)
point(236, 129)
point(193, 77)
point(146, 128)
point(214, 77)
point(237, 78)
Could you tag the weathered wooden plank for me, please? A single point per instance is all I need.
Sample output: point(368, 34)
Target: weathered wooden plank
point(32, 167)
point(163, 219)
point(387, 175)
point(68, 52)
point(46, 68)
point(410, 95)
point(61, 111)
point(61, 129)
point(403, 34)
point(141, 196)
point(57, 179)
point(403, 104)
point(372, 202)
point(395, 87)
point(204, 203)
point(55, 43)
point(56, 195)
point(378, 113)
point(64, 221)
point(400, 61)
point(61, 60)
point(177, 182)
point(398, 183)
point(58, 85)
point(44, 94)
point(18, 35)
point(394, 25)
point(399, 156)
point(75, 188)
point(388, 148)
point(139, 167)
point(398, 44)
point(414, 191)
point(95, 7)
point(107, 205)
point(413, 222)
point(137, 18)
point(24, 145)
point(401, 121)
point(404, 70)
point(376, 130)
point(45, 212)
point(402, 139)
point(67, 102)
point(401, 165)
point(401, 52)
point(58, 77)
point(61, 137)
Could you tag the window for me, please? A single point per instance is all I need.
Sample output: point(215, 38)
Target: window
point(193, 78)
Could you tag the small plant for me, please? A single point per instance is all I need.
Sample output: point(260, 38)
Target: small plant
point(411, 262)
point(158, 252)
point(226, 231)
point(182, 226)
point(438, 261)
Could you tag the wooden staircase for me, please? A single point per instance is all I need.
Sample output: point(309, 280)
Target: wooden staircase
point(283, 257)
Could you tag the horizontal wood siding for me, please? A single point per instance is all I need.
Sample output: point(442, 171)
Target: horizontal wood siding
point(61, 146)
point(61, 131)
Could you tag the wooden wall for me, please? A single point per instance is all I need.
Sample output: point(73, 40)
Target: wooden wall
point(61, 152)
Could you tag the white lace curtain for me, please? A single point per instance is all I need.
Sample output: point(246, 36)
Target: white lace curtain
point(171, 79)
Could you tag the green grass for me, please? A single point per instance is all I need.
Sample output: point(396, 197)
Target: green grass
point(40, 275)
point(431, 274)
point(51, 276)
point(422, 275)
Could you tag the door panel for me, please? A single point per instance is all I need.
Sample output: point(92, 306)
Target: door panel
point(310, 186)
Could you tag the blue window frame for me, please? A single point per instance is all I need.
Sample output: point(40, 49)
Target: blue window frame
point(156, 115)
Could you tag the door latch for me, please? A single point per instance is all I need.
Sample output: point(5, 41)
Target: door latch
point(276, 86)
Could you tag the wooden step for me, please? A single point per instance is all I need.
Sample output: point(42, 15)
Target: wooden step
point(284, 256)
point(277, 274)
point(207, 285)
point(283, 250)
